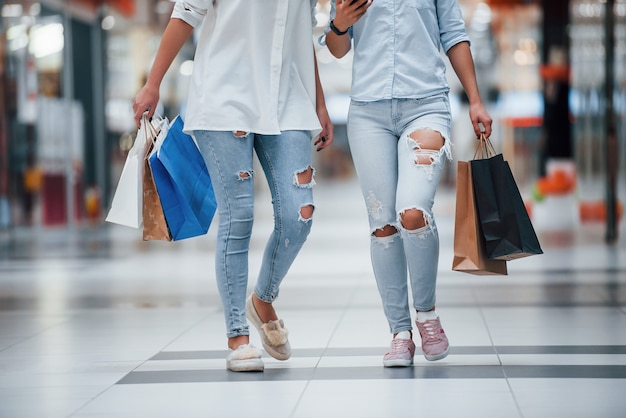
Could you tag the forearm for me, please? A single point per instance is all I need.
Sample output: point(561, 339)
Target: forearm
point(326, 135)
point(463, 64)
point(320, 101)
point(338, 45)
point(174, 37)
point(347, 14)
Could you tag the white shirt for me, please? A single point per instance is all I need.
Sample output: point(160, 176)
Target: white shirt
point(253, 67)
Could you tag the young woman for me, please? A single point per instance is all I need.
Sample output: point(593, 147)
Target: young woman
point(254, 88)
point(399, 136)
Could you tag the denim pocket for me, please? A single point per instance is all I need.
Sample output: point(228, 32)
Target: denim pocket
point(437, 98)
point(439, 103)
point(358, 103)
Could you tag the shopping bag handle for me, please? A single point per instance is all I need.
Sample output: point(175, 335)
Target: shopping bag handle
point(484, 149)
point(150, 131)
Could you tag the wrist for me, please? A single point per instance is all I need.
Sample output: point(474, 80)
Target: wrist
point(152, 84)
point(337, 30)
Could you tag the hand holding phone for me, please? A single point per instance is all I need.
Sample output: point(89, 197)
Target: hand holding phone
point(350, 11)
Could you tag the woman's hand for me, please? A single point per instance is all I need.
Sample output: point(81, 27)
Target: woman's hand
point(327, 135)
point(479, 116)
point(349, 11)
point(146, 101)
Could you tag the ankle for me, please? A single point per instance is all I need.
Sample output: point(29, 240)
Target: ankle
point(236, 342)
point(423, 316)
point(265, 310)
point(404, 335)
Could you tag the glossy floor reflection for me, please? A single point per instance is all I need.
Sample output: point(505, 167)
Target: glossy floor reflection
point(96, 323)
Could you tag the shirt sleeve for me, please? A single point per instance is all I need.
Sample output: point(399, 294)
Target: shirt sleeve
point(192, 11)
point(451, 24)
point(314, 13)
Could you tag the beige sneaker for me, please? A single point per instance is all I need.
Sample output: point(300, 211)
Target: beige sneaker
point(274, 335)
point(246, 358)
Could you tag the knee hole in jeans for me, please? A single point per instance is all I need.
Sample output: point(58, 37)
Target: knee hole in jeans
point(304, 177)
point(413, 219)
point(385, 231)
point(306, 212)
point(427, 145)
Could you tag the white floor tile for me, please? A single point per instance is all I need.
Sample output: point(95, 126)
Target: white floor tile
point(570, 397)
point(266, 399)
point(407, 398)
point(149, 313)
point(563, 359)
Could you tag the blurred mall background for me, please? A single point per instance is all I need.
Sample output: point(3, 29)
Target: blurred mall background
point(95, 322)
point(553, 73)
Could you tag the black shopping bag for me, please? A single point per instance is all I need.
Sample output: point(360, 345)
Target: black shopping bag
point(504, 221)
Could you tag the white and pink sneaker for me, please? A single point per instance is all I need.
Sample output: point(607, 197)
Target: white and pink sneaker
point(435, 344)
point(401, 352)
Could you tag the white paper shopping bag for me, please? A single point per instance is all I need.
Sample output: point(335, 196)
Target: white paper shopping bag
point(127, 205)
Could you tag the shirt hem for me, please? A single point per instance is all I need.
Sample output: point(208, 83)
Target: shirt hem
point(391, 96)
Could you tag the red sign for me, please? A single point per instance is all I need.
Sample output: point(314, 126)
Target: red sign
point(126, 7)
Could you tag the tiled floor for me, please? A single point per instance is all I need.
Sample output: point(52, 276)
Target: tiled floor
point(94, 323)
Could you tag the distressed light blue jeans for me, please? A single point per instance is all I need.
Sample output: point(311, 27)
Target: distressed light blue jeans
point(394, 179)
point(286, 160)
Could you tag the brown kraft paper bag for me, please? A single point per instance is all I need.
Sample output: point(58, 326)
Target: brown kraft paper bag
point(154, 224)
point(469, 244)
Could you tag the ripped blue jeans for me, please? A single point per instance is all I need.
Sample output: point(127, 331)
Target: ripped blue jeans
point(398, 175)
point(286, 160)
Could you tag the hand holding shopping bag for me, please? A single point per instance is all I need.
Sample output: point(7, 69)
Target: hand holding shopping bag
point(183, 183)
point(127, 205)
point(504, 221)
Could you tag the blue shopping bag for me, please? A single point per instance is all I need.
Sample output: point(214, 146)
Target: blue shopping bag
point(183, 184)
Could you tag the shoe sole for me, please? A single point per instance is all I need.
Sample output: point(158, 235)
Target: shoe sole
point(255, 365)
point(438, 356)
point(253, 317)
point(398, 363)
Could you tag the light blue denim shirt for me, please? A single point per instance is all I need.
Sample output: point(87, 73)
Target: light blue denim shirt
point(397, 48)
